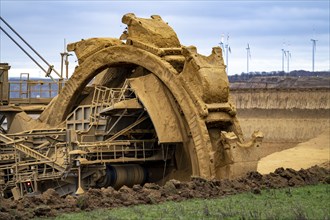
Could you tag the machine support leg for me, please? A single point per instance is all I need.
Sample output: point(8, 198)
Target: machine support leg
point(80, 189)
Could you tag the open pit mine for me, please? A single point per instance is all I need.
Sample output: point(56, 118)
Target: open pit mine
point(144, 109)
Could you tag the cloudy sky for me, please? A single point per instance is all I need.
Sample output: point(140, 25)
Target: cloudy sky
point(268, 26)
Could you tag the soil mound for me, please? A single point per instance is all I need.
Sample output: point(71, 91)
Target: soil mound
point(51, 204)
point(316, 151)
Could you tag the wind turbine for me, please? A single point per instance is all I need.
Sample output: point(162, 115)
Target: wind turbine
point(248, 57)
point(222, 46)
point(288, 56)
point(283, 56)
point(228, 50)
point(314, 51)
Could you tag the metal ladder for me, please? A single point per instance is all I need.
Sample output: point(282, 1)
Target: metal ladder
point(24, 85)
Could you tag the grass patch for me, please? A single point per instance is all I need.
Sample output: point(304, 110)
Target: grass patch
point(309, 202)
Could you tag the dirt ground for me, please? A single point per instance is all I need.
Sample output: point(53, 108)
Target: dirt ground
point(316, 151)
point(51, 204)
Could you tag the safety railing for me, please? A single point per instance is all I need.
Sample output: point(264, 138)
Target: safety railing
point(31, 91)
point(121, 150)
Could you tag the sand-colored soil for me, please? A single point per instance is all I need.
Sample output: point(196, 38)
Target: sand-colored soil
point(316, 151)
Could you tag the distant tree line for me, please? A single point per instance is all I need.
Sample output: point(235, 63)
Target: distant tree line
point(295, 73)
point(244, 76)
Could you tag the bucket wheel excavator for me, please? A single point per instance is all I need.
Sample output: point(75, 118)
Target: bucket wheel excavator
point(141, 108)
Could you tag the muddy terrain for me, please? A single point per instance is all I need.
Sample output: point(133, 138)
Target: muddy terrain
point(51, 204)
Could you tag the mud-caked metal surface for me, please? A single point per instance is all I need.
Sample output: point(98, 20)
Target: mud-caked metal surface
point(197, 86)
point(166, 94)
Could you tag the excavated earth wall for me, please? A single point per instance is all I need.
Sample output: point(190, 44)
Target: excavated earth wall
point(285, 116)
point(309, 99)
